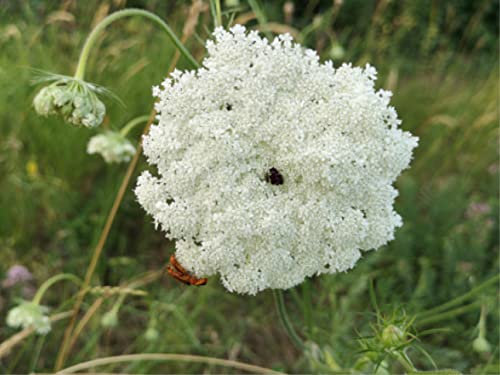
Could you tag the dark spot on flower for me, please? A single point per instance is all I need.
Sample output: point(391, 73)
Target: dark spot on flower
point(226, 106)
point(274, 177)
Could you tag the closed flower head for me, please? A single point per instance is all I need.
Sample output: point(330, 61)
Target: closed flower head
point(72, 99)
point(29, 315)
point(272, 167)
point(112, 146)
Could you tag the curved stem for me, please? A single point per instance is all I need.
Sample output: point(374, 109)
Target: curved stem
point(118, 304)
point(448, 314)
point(285, 321)
point(403, 359)
point(132, 123)
point(461, 298)
point(168, 357)
point(84, 55)
point(51, 281)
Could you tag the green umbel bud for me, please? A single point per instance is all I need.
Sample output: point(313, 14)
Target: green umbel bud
point(151, 334)
point(74, 100)
point(29, 315)
point(110, 319)
point(481, 345)
point(112, 146)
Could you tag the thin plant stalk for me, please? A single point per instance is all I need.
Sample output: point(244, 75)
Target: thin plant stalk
point(260, 15)
point(448, 314)
point(61, 357)
point(149, 277)
point(188, 30)
point(218, 13)
point(133, 123)
point(285, 321)
point(461, 298)
point(84, 55)
point(83, 322)
point(51, 281)
point(168, 357)
point(98, 249)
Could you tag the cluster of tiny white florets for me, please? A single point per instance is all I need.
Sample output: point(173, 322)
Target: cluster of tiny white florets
point(112, 146)
point(72, 99)
point(29, 315)
point(256, 113)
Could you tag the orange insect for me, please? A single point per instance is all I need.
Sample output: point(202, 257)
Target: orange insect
point(178, 272)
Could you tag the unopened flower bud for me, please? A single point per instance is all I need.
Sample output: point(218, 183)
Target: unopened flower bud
point(112, 146)
point(29, 315)
point(151, 334)
point(481, 345)
point(392, 336)
point(74, 100)
point(110, 319)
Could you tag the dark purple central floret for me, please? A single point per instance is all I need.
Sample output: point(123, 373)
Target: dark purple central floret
point(274, 177)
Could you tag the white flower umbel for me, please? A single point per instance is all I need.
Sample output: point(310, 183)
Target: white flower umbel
point(73, 99)
point(112, 146)
point(29, 315)
point(272, 167)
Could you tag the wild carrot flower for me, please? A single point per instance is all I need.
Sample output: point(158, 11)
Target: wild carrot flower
point(273, 167)
point(29, 315)
point(73, 99)
point(112, 146)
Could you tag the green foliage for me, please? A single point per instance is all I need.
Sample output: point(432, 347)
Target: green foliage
point(439, 58)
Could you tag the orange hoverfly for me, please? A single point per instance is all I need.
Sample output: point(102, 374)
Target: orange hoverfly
point(179, 273)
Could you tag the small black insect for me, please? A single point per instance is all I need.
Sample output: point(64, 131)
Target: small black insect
point(274, 177)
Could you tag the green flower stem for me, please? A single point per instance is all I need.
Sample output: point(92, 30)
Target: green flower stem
point(448, 314)
point(280, 306)
point(461, 298)
point(482, 322)
point(218, 13)
point(168, 357)
point(403, 359)
point(118, 303)
point(49, 282)
point(132, 123)
point(84, 55)
point(260, 15)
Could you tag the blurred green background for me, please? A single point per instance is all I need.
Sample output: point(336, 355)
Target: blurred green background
point(440, 58)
